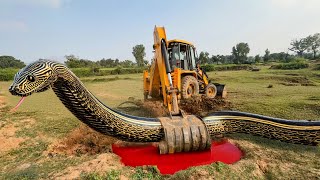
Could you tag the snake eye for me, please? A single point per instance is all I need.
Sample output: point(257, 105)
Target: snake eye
point(31, 78)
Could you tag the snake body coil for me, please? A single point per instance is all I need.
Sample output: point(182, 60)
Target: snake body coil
point(42, 75)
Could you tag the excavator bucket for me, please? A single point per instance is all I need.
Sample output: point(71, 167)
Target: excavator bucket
point(183, 134)
point(221, 90)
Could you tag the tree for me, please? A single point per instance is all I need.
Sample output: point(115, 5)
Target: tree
point(240, 52)
point(126, 63)
point(266, 56)
point(204, 57)
point(214, 59)
point(218, 59)
point(299, 46)
point(10, 62)
point(72, 61)
point(222, 59)
point(314, 44)
point(138, 52)
point(257, 58)
point(281, 56)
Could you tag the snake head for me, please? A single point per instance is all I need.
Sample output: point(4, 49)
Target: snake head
point(35, 77)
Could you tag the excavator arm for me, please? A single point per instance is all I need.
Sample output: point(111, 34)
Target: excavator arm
point(159, 82)
point(182, 132)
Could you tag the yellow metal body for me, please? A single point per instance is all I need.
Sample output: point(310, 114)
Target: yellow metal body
point(156, 82)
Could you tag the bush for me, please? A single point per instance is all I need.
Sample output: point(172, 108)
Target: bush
point(7, 74)
point(298, 63)
point(317, 67)
point(127, 70)
point(86, 72)
point(227, 67)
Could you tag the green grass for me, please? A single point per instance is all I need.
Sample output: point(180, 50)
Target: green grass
point(297, 63)
point(137, 174)
point(295, 94)
point(277, 101)
point(110, 175)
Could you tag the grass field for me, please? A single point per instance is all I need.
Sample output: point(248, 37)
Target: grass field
point(27, 135)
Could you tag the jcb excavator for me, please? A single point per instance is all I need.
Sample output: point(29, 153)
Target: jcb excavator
point(174, 73)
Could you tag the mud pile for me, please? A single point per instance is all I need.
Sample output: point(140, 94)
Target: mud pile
point(137, 107)
point(202, 105)
point(197, 105)
point(156, 108)
point(82, 140)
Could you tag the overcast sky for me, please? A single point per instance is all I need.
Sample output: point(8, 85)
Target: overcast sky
point(96, 29)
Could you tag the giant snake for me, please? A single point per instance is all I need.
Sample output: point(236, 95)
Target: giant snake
point(43, 74)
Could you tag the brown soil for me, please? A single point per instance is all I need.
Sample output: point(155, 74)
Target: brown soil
point(82, 140)
point(202, 105)
point(150, 108)
point(259, 166)
point(2, 102)
point(156, 108)
point(260, 161)
point(197, 105)
point(8, 140)
point(101, 164)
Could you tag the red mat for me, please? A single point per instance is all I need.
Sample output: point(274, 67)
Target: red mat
point(134, 156)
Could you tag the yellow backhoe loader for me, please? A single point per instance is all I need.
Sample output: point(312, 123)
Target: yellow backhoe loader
point(175, 73)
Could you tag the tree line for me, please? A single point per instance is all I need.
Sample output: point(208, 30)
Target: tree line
point(73, 61)
point(138, 52)
point(10, 62)
point(307, 47)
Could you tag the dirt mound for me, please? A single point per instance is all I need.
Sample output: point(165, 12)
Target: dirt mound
point(8, 138)
point(103, 163)
point(156, 108)
point(197, 105)
point(82, 140)
point(202, 105)
point(137, 107)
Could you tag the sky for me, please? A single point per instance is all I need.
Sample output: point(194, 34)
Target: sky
point(96, 29)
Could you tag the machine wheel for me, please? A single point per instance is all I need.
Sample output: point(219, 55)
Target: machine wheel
point(211, 91)
point(190, 86)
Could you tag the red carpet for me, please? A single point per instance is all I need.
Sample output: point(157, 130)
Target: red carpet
point(170, 163)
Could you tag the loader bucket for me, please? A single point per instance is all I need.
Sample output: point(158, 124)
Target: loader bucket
point(183, 134)
point(221, 90)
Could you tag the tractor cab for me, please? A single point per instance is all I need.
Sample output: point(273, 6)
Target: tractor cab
point(182, 54)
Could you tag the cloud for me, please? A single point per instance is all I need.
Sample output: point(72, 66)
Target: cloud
point(43, 3)
point(17, 26)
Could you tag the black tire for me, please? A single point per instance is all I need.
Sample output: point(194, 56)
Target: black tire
point(189, 87)
point(211, 91)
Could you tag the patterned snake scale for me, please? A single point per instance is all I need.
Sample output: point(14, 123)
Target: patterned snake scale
point(42, 75)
